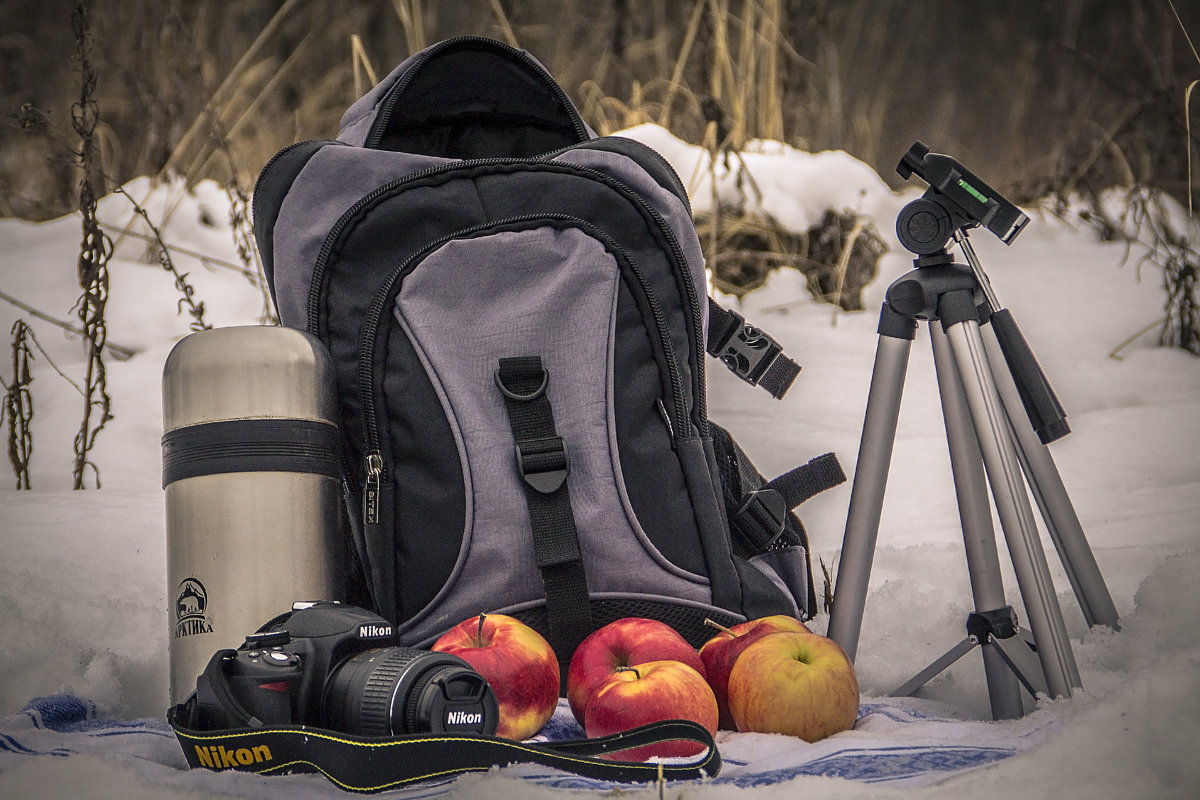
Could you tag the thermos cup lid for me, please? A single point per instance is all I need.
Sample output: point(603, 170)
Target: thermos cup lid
point(247, 372)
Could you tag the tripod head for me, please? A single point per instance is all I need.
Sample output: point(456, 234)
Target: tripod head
point(956, 200)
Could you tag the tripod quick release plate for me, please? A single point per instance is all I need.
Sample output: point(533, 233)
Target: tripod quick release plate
point(956, 199)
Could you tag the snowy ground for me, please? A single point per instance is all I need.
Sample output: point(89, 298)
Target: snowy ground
point(82, 574)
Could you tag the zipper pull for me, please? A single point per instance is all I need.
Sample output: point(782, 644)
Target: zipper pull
point(371, 492)
point(666, 418)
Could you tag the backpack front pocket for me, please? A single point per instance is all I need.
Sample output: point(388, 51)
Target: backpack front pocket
point(440, 467)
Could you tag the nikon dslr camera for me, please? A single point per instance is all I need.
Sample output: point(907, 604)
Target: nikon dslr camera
point(333, 666)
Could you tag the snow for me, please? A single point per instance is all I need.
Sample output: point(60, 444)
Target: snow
point(83, 600)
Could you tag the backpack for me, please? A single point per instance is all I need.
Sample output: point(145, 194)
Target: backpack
point(518, 317)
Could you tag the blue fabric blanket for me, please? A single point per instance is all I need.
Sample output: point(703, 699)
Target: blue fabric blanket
point(897, 742)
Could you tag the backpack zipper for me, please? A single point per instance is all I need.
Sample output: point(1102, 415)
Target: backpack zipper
point(368, 342)
point(316, 284)
point(690, 294)
point(679, 260)
point(677, 188)
point(262, 173)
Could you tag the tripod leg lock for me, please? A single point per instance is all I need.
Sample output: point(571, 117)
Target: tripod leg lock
point(1000, 623)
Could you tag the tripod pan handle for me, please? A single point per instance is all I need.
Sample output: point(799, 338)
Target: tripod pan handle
point(1037, 395)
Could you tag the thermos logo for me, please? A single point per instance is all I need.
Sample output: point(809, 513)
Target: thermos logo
point(191, 603)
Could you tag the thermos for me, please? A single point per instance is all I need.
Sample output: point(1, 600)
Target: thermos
point(252, 475)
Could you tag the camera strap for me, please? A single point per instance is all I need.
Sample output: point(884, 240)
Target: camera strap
point(374, 764)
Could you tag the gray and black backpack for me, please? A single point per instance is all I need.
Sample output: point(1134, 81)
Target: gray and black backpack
point(518, 315)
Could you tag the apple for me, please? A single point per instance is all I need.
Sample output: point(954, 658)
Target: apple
point(516, 661)
point(651, 692)
point(800, 684)
point(721, 651)
point(622, 643)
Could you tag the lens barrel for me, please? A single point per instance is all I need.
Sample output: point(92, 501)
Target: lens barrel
point(392, 691)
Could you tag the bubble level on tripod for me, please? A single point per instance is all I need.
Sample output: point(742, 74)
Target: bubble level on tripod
point(973, 191)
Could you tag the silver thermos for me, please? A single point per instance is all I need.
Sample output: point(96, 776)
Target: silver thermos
point(251, 470)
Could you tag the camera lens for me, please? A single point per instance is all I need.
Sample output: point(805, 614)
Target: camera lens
point(391, 691)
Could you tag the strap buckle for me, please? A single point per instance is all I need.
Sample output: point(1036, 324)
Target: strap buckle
point(748, 351)
point(763, 514)
point(761, 518)
point(543, 463)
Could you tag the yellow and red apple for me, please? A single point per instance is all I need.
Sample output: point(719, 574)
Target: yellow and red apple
point(800, 684)
point(638, 695)
point(721, 651)
point(622, 643)
point(516, 661)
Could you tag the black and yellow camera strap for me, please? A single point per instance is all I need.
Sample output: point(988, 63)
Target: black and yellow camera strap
point(375, 764)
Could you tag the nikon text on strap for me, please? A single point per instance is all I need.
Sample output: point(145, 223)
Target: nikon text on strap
point(370, 764)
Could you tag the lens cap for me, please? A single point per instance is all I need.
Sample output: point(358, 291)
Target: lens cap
point(455, 700)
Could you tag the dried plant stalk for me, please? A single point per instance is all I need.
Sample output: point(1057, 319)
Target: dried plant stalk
point(94, 254)
point(18, 406)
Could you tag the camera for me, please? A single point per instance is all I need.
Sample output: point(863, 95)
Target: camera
point(334, 666)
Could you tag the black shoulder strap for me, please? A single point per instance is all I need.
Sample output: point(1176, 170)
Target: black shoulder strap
point(749, 352)
point(369, 764)
point(544, 466)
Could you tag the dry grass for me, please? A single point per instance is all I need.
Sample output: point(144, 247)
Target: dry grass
point(1070, 97)
point(838, 257)
point(1082, 94)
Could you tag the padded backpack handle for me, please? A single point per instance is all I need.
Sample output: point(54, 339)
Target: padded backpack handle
point(472, 97)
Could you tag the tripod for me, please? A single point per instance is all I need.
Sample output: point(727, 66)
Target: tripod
point(996, 420)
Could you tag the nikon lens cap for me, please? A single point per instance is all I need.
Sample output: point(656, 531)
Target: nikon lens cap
point(456, 700)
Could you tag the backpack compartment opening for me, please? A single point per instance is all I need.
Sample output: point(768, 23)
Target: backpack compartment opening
point(474, 101)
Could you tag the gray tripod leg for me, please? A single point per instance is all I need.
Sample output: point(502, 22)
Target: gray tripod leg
point(975, 512)
point(941, 663)
point(870, 478)
point(1008, 490)
point(1062, 523)
point(1018, 655)
point(983, 560)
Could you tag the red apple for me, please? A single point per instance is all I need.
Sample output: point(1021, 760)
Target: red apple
point(720, 652)
point(800, 684)
point(651, 692)
point(516, 661)
point(622, 643)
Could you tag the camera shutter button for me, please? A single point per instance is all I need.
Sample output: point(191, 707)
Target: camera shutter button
point(281, 659)
point(269, 639)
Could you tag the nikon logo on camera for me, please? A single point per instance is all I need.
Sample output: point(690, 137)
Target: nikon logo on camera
point(464, 718)
point(370, 630)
